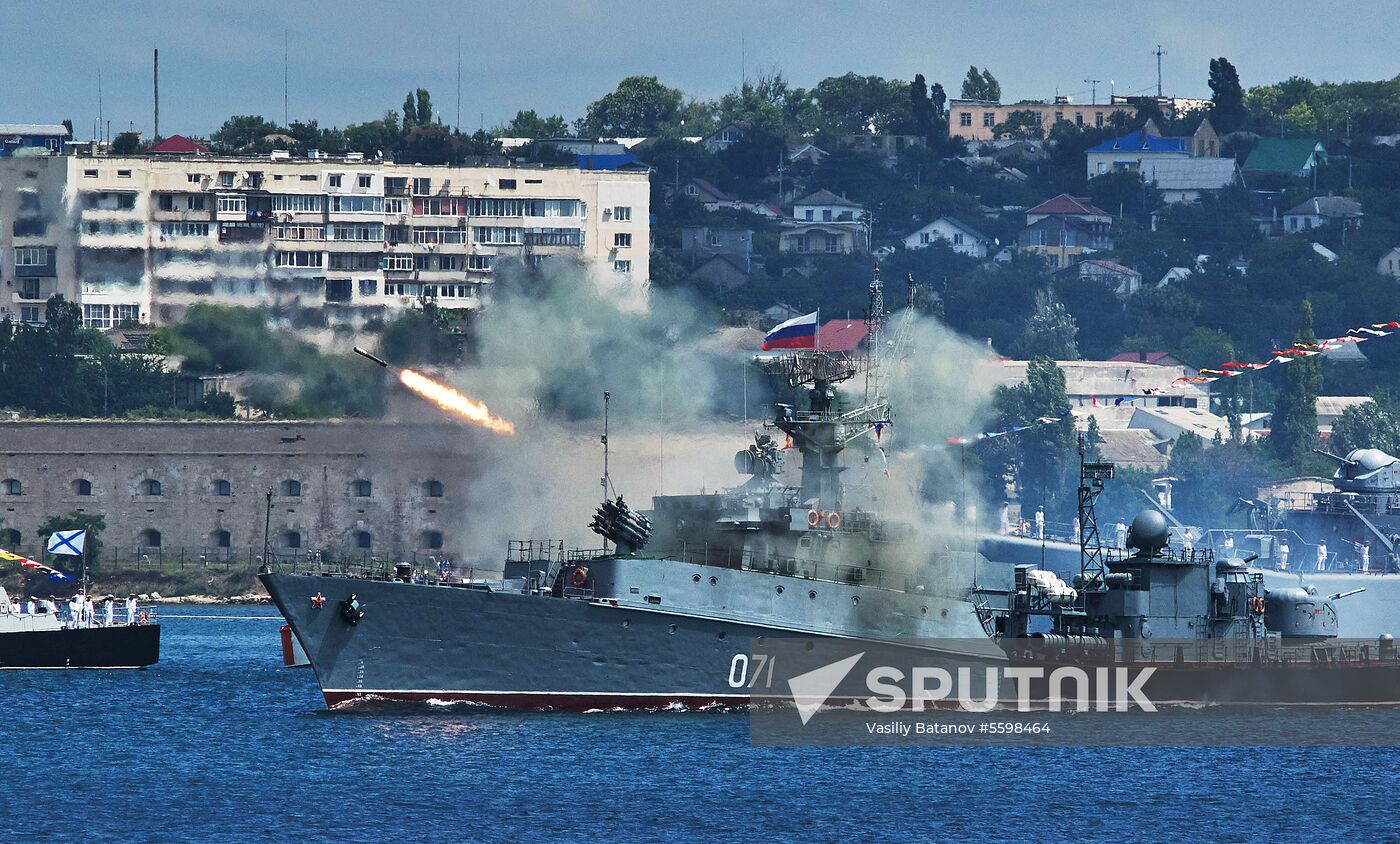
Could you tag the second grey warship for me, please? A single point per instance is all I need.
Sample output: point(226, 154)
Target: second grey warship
point(663, 617)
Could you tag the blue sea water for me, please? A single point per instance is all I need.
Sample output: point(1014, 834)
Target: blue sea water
point(220, 743)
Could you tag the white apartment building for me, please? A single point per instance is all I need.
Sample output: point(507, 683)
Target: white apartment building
point(316, 241)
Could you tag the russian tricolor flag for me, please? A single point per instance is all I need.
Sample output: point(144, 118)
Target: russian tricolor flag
point(796, 333)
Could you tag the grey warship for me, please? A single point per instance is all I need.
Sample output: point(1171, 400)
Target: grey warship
point(1209, 628)
point(663, 617)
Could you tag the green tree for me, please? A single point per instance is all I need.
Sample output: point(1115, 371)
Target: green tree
point(640, 106)
point(1042, 456)
point(1051, 331)
point(417, 110)
point(1366, 425)
point(981, 85)
point(241, 132)
point(93, 523)
point(1093, 439)
point(1293, 429)
point(529, 124)
point(128, 143)
point(220, 338)
point(1020, 124)
point(1227, 113)
point(852, 104)
point(375, 136)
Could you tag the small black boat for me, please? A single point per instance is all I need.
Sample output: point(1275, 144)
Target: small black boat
point(43, 640)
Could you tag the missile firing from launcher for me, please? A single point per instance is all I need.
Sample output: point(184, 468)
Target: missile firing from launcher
point(445, 397)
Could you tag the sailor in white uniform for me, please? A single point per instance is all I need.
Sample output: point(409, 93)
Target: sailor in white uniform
point(131, 609)
point(1040, 523)
point(1283, 555)
point(1120, 535)
point(108, 606)
point(1322, 556)
point(33, 605)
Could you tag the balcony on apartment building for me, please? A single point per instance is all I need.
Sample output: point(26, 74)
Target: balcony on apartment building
point(34, 289)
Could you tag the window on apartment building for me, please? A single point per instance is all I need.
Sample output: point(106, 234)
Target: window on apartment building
point(232, 204)
point(964, 118)
point(333, 180)
point(222, 488)
point(357, 204)
point(1098, 119)
point(28, 200)
point(395, 185)
point(178, 229)
point(29, 289)
point(298, 202)
point(399, 263)
point(193, 178)
point(369, 286)
point(300, 258)
point(307, 177)
point(925, 237)
point(395, 205)
point(496, 234)
point(353, 261)
point(622, 266)
point(123, 174)
point(439, 234)
point(291, 489)
point(363, 180)
point(299, 232)
point(422, 186)
point(496, 208)
point(622, 213)
point(31, 256)
point(621, 239)
point(255, 179)
point(358, 231)
point(364, 540)
point(196, 203)
point(479, 263)
point(810, 214)
point(421, 262)
point(449, 262)
point(166, 202)
point(29, 315)
point(225, 178)
point(339, 289)
point(126, 314)
point(1079, 118)
point(97, 316)
point(89, 174)
point(505, 184)
point(957, 238)
point(989, 118)
point(551, 207)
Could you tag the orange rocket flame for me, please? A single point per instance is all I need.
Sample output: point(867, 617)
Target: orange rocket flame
point(454, 402)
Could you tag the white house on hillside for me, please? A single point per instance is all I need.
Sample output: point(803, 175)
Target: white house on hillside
point(957, 234)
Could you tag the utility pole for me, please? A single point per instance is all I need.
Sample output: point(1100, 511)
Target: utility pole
point(459, 82)
point(155, 83)
point(1093, 90)
point(286, 81)
point(1159, 52)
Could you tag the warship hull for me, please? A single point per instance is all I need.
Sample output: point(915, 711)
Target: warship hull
point(518, 650)
point(133, 646)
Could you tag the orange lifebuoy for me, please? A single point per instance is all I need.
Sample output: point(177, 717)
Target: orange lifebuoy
point(833, 520)
point(580, 576)
point(814, 518)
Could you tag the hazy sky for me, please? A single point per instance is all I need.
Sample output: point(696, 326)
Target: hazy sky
point(352, 60)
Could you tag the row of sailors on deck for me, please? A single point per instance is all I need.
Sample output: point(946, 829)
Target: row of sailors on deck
point(82, 610)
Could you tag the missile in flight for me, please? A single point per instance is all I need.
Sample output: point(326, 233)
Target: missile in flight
point(363, 353)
